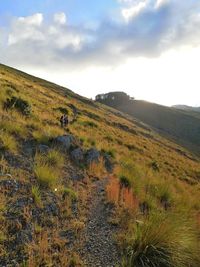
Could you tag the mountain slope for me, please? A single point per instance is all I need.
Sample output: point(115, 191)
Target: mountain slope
point(183, 126)
point(187, 108)
point(49, 175)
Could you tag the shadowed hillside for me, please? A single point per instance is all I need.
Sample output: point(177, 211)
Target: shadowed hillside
point(105, 190)
point(180, 125)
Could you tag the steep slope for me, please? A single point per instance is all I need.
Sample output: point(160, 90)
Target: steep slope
point(49, 175)
point(181, 125)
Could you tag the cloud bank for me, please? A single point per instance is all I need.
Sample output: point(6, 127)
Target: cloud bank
point(144, 28)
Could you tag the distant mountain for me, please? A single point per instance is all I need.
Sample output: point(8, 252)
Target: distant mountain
point(187, 108)
point(178, 124)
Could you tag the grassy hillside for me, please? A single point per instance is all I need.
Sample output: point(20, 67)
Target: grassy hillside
point(51, 205)
point(180, 125)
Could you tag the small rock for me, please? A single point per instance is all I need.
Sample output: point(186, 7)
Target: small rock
point(92, 155)
point(65, 141)
point(43, 149)
point(109, 163)
point(77, 155)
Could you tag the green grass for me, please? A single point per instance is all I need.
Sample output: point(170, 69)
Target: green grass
point(35, 190)
point(70, 193)
point(7, 142)
point(162, 240)
point(55, 158)
point(46, 176)
point(13, 127)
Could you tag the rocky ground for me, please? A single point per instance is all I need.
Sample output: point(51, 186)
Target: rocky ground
point(100, 248)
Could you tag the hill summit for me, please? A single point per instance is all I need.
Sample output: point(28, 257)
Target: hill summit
point(174, 123)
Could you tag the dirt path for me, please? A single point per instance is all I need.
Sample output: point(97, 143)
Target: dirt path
point(100, 249)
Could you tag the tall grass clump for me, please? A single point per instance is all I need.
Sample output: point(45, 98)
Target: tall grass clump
point(162, 240)
point(35, 190)
point(55, 158)
point(46, 176)
point(7, 142)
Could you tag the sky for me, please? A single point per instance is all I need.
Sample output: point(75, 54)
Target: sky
point(148, 48)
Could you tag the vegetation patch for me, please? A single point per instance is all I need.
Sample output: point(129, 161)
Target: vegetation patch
point(46, 176)
point(18, 103)
point(7, 142)
point(161, 240)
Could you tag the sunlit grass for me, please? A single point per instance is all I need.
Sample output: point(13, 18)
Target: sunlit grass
point(46, 176)
point(7, 142)
point(162, 240)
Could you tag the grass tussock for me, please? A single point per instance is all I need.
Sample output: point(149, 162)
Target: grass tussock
point(35, 190)
point(55, 158)
point(7, 142)
point(46, 176)
point(162, 240)
point(68, 192)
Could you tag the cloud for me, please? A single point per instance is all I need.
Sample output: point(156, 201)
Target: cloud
point(60, 18)
point(26, 28)
point(34, 20)
point(160, 3)
point(145, 28)
point(131, 12)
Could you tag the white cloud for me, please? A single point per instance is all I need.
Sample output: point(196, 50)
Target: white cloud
point(60, 18)
point(26, 28)
point(131, 12)
point(30, 42)
point(29, 32)
point(160, 3)
point(34, 20)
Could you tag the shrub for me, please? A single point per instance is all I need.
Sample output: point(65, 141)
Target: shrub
point(162, 240)
point(46, 176)
point(18, 103)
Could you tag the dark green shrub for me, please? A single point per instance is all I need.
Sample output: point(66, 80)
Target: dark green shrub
point(18, 103)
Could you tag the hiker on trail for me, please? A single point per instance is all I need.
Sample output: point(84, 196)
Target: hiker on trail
point(64, 120)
